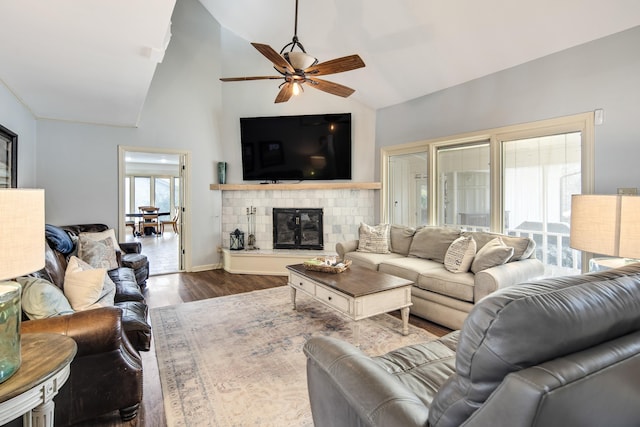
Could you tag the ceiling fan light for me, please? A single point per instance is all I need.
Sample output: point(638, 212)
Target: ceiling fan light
point(300, 60)
point(296, 89)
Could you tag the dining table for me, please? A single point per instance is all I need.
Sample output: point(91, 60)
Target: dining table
point(140, 215)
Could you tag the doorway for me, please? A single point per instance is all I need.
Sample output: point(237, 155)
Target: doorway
point(154, 177)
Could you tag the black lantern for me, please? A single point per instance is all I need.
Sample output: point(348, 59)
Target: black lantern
point(237, 240)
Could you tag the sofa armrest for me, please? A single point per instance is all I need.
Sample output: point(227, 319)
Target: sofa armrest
point(94, 331)
point(346, 387)
point(344, 247)
point(501, 276)
point(131, 247)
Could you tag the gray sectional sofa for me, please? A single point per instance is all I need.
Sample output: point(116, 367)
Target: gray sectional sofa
point(558, 352)
point(440, 295)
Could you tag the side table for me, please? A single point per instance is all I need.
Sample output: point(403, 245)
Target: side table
point(606, 263)
point(44, 369)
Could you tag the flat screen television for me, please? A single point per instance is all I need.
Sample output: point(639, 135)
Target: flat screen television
point(305, 147)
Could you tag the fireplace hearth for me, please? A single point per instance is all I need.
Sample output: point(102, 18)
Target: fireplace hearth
point(297, 228)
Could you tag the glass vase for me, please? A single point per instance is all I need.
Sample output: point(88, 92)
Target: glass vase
point(222, 172)
point(9, 329)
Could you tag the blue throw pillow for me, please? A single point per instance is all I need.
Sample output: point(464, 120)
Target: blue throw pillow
point(58, 238)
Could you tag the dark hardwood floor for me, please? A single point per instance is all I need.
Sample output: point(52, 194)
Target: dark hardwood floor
point(186, 287)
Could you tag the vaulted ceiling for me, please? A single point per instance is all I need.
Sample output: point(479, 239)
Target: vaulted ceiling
point(93, 61)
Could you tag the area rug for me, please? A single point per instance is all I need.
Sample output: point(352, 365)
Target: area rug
point(238, 360)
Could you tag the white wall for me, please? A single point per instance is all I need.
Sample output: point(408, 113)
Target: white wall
point(78, 163)
point(601, 74)
point(18, 119)
point(256, 98)
point(187, 108)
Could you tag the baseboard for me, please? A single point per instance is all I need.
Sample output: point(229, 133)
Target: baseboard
point(206, 267)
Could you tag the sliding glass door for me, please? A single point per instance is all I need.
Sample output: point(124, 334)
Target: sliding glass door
point(408, 189)
point(539, 176)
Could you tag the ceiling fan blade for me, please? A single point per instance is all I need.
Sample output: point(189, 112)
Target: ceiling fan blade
point(330, 87)
point(286, 92)
point(338, 65)
point(278, 61)
point(242, 79)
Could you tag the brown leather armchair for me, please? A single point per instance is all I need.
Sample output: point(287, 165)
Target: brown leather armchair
point(106, 373)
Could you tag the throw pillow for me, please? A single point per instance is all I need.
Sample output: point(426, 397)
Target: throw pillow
point(460, 255)
point(110, 233)
point(87, 287)
point(97, 253)
point(41, 299)
point(523, 247)
point(494, 253)
point(374, 239)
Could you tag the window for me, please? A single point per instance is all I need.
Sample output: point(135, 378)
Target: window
point(162, 193)
point(516, 180)
point(139, 190)
point(463, 186)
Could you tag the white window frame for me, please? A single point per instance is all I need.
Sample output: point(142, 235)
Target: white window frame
point(583, 123)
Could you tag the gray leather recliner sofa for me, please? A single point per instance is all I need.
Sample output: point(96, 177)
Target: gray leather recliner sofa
point(555, 352)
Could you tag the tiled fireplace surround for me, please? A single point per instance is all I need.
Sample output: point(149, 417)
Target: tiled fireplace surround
point(343, 211)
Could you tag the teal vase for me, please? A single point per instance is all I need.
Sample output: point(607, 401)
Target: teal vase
point(9, 329)
point(222, 172)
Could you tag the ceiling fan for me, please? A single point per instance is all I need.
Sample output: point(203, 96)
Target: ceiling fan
point(298, 68)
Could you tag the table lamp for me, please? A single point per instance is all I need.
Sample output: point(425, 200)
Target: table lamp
point(606, 224)
point(21, 252)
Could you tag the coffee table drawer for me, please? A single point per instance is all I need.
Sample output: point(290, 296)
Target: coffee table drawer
point(334, 299)
point(302, 283)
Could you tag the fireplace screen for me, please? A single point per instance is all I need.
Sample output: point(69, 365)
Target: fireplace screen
point(297, 228)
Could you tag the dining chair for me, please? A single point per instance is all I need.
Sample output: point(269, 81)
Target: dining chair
point(174, 221)
point(132, 224)
point(149, 219)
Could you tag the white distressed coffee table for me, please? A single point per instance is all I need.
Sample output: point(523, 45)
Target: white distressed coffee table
point(357, 293)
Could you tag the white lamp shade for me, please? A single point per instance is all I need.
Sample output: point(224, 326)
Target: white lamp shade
point(21, 232)
point(606, 224)
point(630, 227)
point(300, 60)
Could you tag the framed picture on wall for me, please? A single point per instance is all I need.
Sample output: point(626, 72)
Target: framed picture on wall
point(8, 158)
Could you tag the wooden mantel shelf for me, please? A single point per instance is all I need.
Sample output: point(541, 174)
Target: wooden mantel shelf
point(299, 186)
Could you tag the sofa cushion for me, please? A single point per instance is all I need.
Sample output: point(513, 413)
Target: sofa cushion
point(460, 254)
point(369, 260)
point(42, 299)
point(374, 238)
point(407, 268)
point(424, 367)
point(444, 282)
point(433, 242)
point(492, 254)
point(97, 253)
point(523, 247)
point(401, 237)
